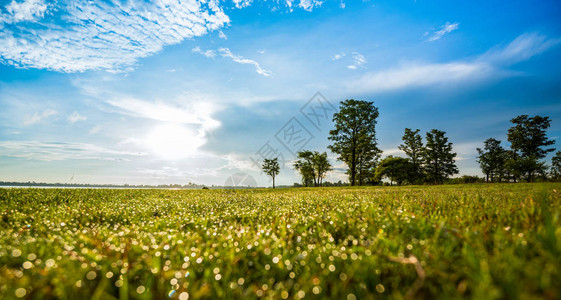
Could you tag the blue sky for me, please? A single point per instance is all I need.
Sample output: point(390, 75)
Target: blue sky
point(194, 91)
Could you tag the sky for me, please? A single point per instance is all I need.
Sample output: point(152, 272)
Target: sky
point(171, 92)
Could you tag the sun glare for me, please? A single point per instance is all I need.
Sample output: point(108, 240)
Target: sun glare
point(173, 141)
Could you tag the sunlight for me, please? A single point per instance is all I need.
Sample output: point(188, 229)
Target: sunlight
point(173, 141)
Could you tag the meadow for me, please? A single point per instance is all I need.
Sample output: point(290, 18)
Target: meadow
point(483, 241)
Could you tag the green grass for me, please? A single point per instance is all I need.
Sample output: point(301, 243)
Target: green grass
point(468, 241)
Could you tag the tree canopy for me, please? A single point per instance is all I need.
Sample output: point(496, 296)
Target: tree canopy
point(528, 136)
point(396, 169)
point(354, 138)
point(438, 157)
point(271, 167)
point(492, 159)
point(313, 166)
point(413, 148)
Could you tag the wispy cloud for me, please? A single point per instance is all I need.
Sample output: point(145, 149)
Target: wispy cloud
point(54, 151)
point(37, 117)
point(186, 111)
point(226, 52)
point(95, 129)
point(522, 48)
point(207, 53)
point(75, 117)
point(222, 35)
point(491, 64)
point(417, 75)
point(358, 61)
point(444, 29)
point(28, 10)
point(101, 35)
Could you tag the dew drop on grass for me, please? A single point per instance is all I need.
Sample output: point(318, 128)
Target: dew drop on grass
point(20, 293)
point(91, 275)
point(16, 253)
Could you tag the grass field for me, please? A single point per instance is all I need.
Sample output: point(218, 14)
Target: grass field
point(467, 241)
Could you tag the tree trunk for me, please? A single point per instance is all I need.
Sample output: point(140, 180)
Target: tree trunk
point(273, 181)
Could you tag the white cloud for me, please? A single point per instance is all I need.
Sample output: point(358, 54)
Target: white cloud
point(102, 35)
point(309, 4)
point(222, 35)
point(444, 29)
point(94, 129)
point(54, 151)
point(358, 61)
point(207, 53)
point(522, 48)
point(190, 109)
point(27, 10)
point(489, 65)
point(75, 117)
point(417, 75)
point(36, 117)
point(394, 152)
point(107, 35)
point(226, 52)
point(242, 3)
point(338, 56)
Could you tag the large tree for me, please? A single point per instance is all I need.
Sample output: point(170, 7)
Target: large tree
point(528, 139)
point(396, 169)
point(492, 159)
point(313, 166)
point(438, 157)
point(413, 148)
point(354, 138)
point(271, 167)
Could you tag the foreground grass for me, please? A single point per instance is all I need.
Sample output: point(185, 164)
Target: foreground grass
point(471, 241)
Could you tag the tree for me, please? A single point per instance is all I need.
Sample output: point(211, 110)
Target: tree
point(556, 166)
point(438, 157)
point(513, 166)
point(313, 166)
point(491, 159)
point(304, 165)
point(528, 136)
point(413, 148)
point(354, 138)
point(396, 169)
point(321, 166)
point(271, 167)
point(528, 139)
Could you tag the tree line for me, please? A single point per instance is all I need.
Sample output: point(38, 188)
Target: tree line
point(431, 161)
point(529, 145)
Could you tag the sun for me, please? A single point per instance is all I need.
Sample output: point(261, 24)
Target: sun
point(174, 141)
